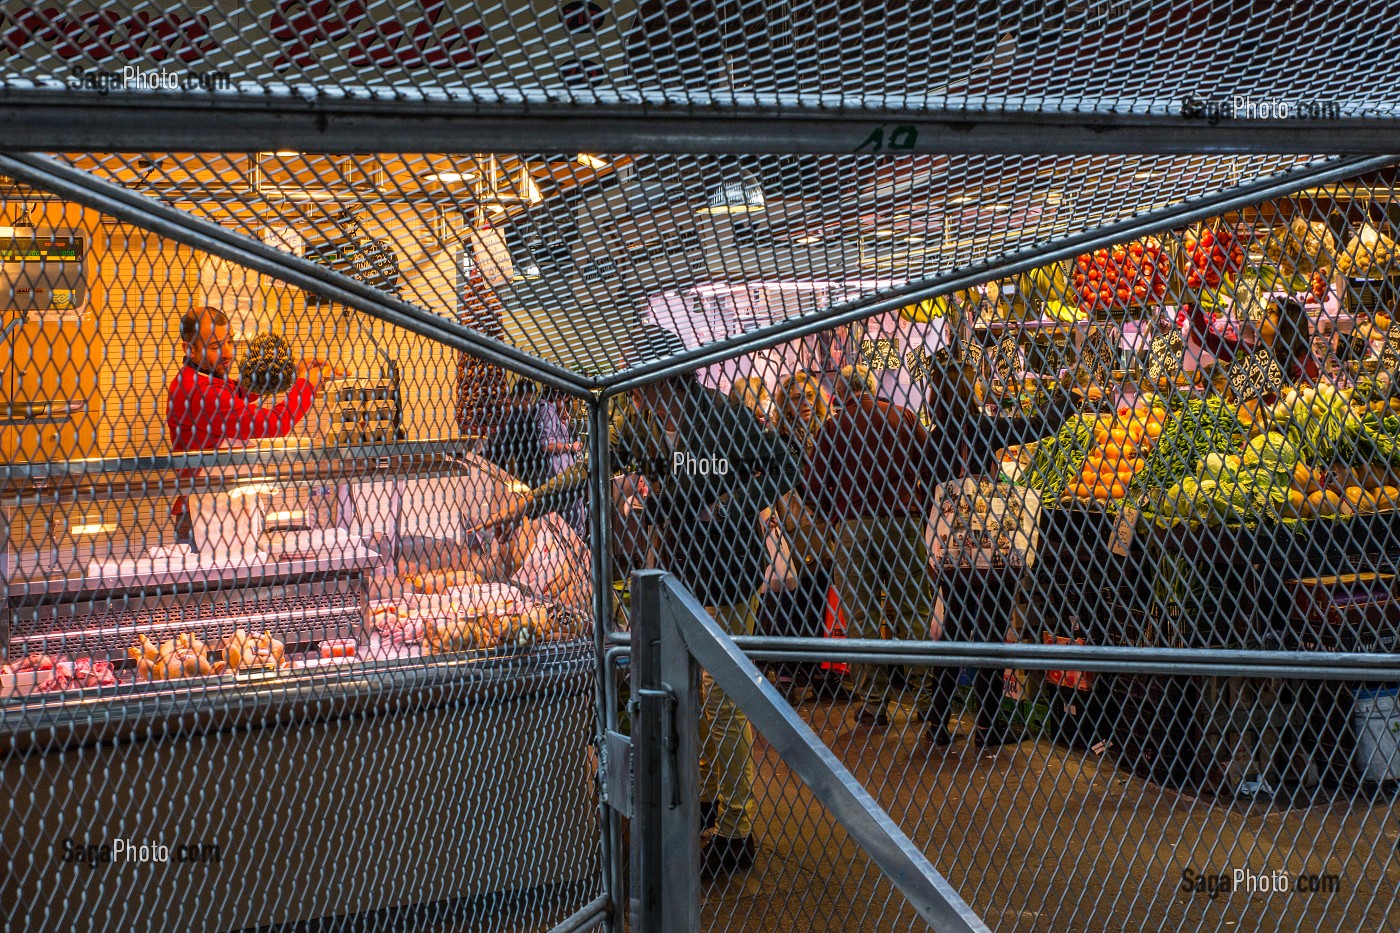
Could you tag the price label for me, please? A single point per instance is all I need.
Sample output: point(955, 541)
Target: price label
point(1390, 353)
point(1123, 530)
point(1006, 363)
point(1254, 375)
point(1096, 356)
point(1165, 354)
point(973, 356)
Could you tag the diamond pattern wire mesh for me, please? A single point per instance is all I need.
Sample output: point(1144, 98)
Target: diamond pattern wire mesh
point(1183, 441)
point(244, 624)
point(576, 252)
point(958, 55)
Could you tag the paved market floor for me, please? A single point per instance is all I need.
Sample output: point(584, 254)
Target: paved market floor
point(1038, 837)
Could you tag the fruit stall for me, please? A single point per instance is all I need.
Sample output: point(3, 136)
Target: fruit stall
point(1228, 475)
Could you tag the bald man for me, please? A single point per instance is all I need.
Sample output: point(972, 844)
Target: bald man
point(204, 409)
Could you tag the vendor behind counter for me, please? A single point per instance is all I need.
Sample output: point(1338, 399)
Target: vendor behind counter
point(205, 409)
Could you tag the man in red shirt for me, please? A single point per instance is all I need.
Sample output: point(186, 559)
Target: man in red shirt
point(205, 409)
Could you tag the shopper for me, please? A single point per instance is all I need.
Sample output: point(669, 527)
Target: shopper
point(978, 604)
point(751, 392)
point(710, 470)
point(800, 408)
point(562, 449)
point(516, 447)
point(870, 475)
point(205, 409)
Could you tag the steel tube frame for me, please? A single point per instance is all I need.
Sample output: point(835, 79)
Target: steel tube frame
point(600, 548)
point(665, 895)
point(589, 916)
point(764, 338)
point(659, 594)
point(130, 206)
point(73, 120)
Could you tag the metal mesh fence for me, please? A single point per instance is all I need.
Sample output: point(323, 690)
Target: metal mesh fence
point(956, 56)
point(277, 647)
point(1179, 442)
point(224, 560)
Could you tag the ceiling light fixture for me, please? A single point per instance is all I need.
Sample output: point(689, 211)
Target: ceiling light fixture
point(449, 177)
point(739, 194)
point(286, 153)
point(528, 190)
point(93, 527)
point(592, 161)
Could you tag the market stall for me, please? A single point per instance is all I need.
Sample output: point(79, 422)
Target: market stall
point(1227, 479)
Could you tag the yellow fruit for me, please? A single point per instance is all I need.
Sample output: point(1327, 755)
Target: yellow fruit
point(1325, 504)
point(1118, 490)
point(1117, 451)
point(1119, 435)
point(1305, 480)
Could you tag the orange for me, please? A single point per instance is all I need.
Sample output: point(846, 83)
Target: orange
point(1117, 451)
point(1154, 429)
point(1081, 491)
point(1119, 435)
point(1125, 473)
point(1118, 491)
point(1135, 430)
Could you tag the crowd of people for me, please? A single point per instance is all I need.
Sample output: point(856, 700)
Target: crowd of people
point(845, 481)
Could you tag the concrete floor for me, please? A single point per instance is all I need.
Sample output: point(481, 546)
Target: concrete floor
point(1042, 839)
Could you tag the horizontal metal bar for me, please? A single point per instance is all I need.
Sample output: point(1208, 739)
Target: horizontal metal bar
point(1015, 263)
point(904, 863)
point(198, 233)
point(591, 915)
point(399, 456)
point(1053, 657)
point(68, 120)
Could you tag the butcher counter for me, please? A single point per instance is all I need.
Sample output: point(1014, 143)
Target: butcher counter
point(210, 802)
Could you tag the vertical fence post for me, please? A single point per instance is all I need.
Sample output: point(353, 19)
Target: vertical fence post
point(665, 743)
point(600, 547)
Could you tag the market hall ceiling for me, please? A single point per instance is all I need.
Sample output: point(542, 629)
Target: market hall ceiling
point(622, 151)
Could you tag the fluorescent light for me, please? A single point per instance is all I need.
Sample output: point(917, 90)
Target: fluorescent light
point(1000, 208)
point(287, 516)
point(810, 238)
point(737, 195)
point(1146, 176)
point(449, 177)
point(529, 191)
point(961, 199)
point(592, 161)
point(287, 153)
point(93, 528)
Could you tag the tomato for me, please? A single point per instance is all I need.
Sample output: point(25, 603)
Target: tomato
point(1110, 275)
point(1129, 273)
point(1135, 249)
point(1193, 281)
point(1119, 254)
point(1159, 289)
point(1106, 295)
point(1095, 275)
point(1123, 294)
point(1189, 243)
point(1082, 262)
point(1139, 291)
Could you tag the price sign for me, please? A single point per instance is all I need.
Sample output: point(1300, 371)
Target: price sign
point(1006, 363)
point(1096, 356)
point(1165, 354)
point(1123, 530)
point(973, 356)
point(1390, 353)
point(1254, 375)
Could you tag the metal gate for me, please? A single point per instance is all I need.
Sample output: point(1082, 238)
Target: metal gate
point(862, 344)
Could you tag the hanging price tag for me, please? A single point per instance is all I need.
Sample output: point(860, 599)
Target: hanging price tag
point(1096, 356)
point(1390, 353)
point(1007, 370)
point(1165, 354)
point(1123, 530)
point(1254, 375)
